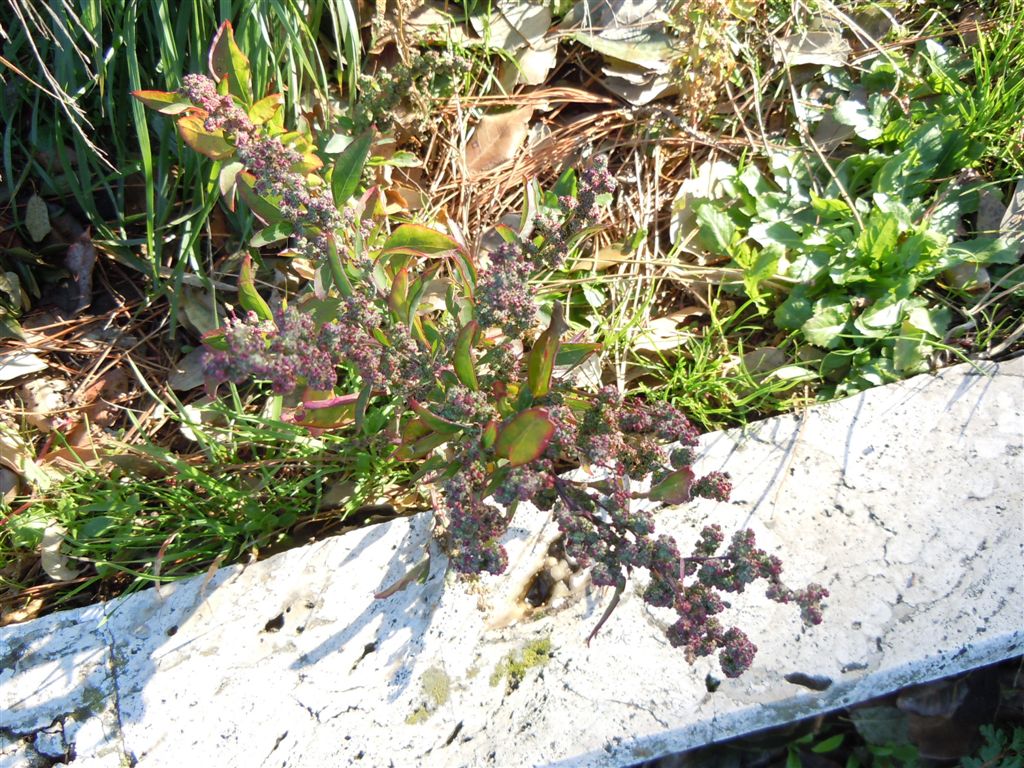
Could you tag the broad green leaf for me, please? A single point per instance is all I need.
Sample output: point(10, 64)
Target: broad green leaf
point(399, 296)
point(489, 434)
point(165, 102)
point(794, 311)
point(825, 327)
point(226, 181)
point(248, 296)
point(226, 60)
point(572, 354)
point(674, 488)
point(272, 234)
point(338, 274)
point(208, 143)
point(265, 209)
point(432, 420)
point(542, 357)
point(986, 250)
point(828, 745)
point(420, 238)
point(263, 111)
point(525, 437)
point(462, 360)
point(717, 230)
point(348, 168)
point(328, 413)
point(421, 447)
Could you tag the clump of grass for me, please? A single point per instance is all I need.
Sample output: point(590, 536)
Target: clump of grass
point(259, 485)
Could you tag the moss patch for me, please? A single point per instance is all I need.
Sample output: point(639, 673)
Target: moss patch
point(513, 667)
point(436, 690)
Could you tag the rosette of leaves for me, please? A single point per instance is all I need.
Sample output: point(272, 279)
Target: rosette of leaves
point(487, 425)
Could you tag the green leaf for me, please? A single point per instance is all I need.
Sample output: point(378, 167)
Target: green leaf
point(830, 744)
point(462, 360)
point(212, 144)
point(795, 310)
point(825, 327)
point(165, 102)
point(399, 296)
point(420, 238)
point(348, 168)
point(986, 250)
point(272, 234)
point(226, 60)
point(263, 111)
point(432, 420)
point(717, 230)
point(674, 488)
point(264, 208)
point(341, 281)
point(248, 296)
point(525, 437)
point(542, 357)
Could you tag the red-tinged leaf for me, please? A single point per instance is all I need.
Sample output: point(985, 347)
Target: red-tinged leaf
point(399, 296)
point(674, 487)
point(435, 422)
point(226, 181)
point(215, 340)
point(309, 163)
point(328, 412)
point(164, 102)
point(414, 429)
point(421, 447)
point(264, 209)
point(227, 61)
point(489, 435)
point(542, 356)
point(417, 574)
point(507, 233)
point(248, 296)
point(264, 110)
point(348, 168)
point(462, 361)
point(272, 234)
point(209, 143)
point(420, 238)
point(525, 437)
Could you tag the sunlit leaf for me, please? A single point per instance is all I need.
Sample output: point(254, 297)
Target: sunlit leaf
point(420, 238)
point(463, 357)
point(212, 144)
point(542, 356)
point(348, 168)
point(248, 296)
point(525, 437)
point(165, 102)
point(226, 60)
point(674, 488)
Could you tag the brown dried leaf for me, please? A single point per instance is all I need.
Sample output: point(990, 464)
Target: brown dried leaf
point(80, 259)
point(55, 563)
point(497, 139)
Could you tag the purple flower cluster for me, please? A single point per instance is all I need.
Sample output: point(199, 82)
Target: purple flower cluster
point(288, 351)
point(505, 298)
point(310, 209)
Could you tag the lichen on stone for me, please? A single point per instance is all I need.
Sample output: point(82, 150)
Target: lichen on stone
point(436, 690)
point(512, 668)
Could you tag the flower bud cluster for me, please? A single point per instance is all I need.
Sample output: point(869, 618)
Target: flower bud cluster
point(505, 298)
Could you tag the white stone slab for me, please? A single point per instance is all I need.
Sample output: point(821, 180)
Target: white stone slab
point(907, 502)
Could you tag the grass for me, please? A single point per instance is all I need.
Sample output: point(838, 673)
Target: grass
point(248, 484)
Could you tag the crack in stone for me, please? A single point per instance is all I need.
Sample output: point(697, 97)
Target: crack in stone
point(113, 660)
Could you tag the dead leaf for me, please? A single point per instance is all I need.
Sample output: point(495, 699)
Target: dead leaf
point(9, 485)
point(826, 48)
point(23, 362)
point(80, 259)
point(44, 401)
point(200, 310)
point(605, 258)
point(188, 372)
point(37, 218)
point(497, 138)
point(512, 25)
point(536, 61)
point(663, 333)
point(54, 562)
point(1012, 224)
